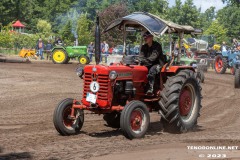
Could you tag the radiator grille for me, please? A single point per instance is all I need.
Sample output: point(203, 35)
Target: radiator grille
point(102, 94)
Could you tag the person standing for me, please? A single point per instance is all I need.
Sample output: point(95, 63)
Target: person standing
point(49, 47)
point(106, 48)
point(102, 51)
point(224, 47)
point(90, 50)
point(40, 48)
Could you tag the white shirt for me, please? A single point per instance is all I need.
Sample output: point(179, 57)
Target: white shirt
point(106, 47)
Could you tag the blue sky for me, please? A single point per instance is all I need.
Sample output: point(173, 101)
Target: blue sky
point(204, 4)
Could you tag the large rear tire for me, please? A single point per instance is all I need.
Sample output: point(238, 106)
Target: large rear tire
point(237, 79)
point(134, 120)
point(62, 121)
point(112, 119)
point(180, 102)
point(220, 64)
point(59, 56)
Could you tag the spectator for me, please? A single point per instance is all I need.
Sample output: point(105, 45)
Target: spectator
point(49, 47)
point(102, 50)
point(224, 47)
point(106, 48)
point(90, 50)
point(236, 44)
point(40, 48)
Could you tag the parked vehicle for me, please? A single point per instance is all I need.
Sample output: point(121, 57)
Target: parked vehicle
point(118, 91)
point(62, 55)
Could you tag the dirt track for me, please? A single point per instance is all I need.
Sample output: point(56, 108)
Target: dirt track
point(30, 92)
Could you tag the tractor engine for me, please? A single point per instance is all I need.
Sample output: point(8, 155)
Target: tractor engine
point(106, 86)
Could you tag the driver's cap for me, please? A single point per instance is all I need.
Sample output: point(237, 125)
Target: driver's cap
point(147, 34)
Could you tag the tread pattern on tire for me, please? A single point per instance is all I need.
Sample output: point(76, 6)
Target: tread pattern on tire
point(237, 78)
point(170, 114)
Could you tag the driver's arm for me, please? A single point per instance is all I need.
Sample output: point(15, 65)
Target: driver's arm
point(156, 53)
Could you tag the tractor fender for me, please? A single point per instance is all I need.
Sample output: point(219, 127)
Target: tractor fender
point(175, 69)
point(58, 47)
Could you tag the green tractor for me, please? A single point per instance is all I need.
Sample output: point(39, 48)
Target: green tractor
point(62, 55)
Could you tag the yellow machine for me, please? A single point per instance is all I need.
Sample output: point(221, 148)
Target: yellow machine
point(27, 53)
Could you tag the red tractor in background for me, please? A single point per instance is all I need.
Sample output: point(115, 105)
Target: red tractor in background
point(118, 91)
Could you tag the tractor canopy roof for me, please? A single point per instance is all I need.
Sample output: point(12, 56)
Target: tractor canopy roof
point(154, 24)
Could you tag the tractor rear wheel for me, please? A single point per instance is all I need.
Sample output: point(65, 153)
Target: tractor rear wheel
point(112, 119)
point(59, 56)
point(220, 64)
point(237, 78)
point(84, 60)
point(180, 102)
point(200, 76)
point(134, 120)
point(63, 123)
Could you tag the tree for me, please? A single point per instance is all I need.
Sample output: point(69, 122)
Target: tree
point(185, 14)
point(44, 27)
point(111, 13)
point(207, 18)
point(67, 35)
point(229, 17)
point(218, 31)
point(85, 36)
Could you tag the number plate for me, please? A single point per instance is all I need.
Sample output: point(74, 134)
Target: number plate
point(91, 98)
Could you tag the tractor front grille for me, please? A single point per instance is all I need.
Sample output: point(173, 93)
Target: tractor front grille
point(102, 94)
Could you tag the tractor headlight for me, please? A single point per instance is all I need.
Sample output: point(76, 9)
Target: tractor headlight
point(79, 72)
point(113, 75)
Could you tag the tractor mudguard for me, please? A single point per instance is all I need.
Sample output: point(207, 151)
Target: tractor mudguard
point(58, 47)
point(175, 69)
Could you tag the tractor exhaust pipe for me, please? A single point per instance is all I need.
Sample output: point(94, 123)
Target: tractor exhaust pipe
point(97, 42)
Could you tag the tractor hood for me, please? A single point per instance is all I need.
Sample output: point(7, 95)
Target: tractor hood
point(155, 25)
point(138, 73)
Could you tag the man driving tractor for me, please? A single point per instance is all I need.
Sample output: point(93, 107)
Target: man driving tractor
point(152, 57)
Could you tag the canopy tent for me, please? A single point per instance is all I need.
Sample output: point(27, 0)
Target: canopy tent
point(18, 26)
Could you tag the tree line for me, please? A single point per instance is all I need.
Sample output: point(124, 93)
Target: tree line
point(71, 19)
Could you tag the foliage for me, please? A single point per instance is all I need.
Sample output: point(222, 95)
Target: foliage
point(67, 34)
point(218, 30)
point(44, 27)
point(229, 17)
point(109, 14)
point(45, 17)
point(85, 36)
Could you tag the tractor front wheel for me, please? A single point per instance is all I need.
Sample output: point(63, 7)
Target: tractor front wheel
point(220, 64)
point(237, 78)
point(134, 120)
point(65, 124)
point(59, 56)
point(180, 102)
point(84, 60)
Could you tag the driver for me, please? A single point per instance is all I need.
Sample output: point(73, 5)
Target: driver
point(152, 57)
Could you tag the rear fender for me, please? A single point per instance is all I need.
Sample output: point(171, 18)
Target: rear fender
point(175, 69)
point(58, 47)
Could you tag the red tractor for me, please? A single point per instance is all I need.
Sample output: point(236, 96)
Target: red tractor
point(118, 91)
